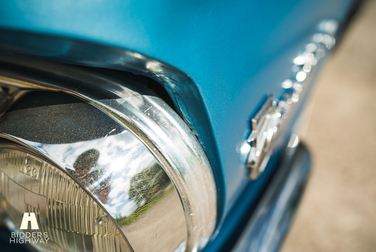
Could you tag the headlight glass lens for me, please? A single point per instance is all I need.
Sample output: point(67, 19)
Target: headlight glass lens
point(68, 218)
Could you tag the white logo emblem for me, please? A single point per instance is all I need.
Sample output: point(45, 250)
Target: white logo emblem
point(28, 237)
point(29, 217)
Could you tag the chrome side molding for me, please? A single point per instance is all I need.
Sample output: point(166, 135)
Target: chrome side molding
point(268, 121)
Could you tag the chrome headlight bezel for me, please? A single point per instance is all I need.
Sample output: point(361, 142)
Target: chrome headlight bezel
point(148, 117)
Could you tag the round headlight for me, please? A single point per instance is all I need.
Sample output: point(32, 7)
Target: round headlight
point(67, 218)
point(111, 164)
point(128, 152)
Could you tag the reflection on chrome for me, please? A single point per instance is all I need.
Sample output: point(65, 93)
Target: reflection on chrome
point(294, 141)
point(260, 139)
point(128, 182)
point(305, 64)
point(118, 170)
point(68, 217)
point(155, 126)
point(267, 123)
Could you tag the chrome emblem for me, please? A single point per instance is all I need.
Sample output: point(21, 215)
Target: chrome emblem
point(267, 122)
point(260, 138)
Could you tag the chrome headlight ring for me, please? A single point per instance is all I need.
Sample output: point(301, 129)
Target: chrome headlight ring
point(147, 117)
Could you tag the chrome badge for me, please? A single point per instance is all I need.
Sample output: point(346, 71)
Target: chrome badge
point(260, 138)
point(267, 122)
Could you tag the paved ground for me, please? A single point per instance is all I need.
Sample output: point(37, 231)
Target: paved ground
point(338, 211)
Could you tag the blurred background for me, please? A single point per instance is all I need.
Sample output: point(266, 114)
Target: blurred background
point(338, 210)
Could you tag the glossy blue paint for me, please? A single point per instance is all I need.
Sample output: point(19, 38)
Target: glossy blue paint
point(236, 52)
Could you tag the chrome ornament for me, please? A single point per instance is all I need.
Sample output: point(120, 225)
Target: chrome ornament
point(268, 120)
point(260, 139)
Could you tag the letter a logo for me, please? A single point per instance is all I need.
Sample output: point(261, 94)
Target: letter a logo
point(29, 217)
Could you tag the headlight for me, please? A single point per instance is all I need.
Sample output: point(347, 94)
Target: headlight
point(124, 152)
point(68, 218)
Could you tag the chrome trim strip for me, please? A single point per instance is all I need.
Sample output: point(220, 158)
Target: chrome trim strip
point(268, 120)
point(153, 122)
point(270, 222)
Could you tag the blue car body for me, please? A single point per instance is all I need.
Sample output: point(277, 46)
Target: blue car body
point(218, 60)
